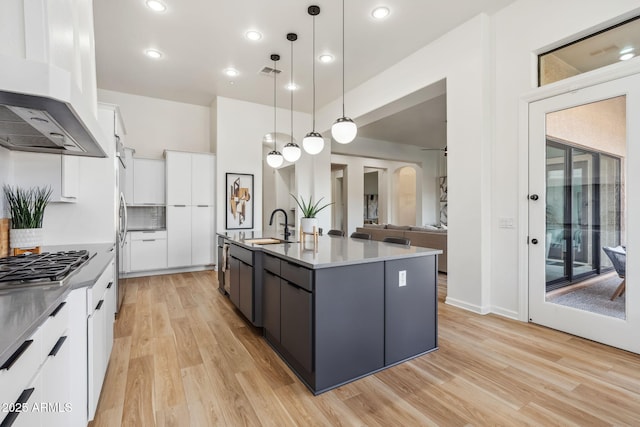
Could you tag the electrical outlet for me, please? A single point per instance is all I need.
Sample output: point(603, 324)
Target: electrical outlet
point(402, 278)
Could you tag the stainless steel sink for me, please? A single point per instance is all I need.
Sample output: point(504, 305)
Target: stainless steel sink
point(266, 241)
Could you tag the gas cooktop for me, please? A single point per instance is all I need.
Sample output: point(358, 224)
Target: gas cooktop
point(49, 268)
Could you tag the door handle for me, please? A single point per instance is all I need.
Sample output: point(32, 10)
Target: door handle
point(534, 241)
point(534, 197)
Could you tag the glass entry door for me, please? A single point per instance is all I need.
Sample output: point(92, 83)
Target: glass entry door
point(581, 148)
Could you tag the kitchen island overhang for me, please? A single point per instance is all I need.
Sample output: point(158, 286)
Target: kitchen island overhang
point(341, 310)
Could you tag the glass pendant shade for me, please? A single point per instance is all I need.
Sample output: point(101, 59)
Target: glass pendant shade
point(344, 130)
point(313, 143)
point(291, 152)
point(274, 159)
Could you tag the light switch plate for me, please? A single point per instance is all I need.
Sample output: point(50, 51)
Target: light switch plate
point(402, 278)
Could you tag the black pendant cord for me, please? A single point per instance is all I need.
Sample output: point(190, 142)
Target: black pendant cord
point(291, 88)
point(343, 56)
point(275, 75)
point(314, 74)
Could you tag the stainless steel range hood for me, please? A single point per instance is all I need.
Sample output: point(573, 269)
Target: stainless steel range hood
point(44, 125)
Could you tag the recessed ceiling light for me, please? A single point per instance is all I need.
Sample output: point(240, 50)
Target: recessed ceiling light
point(253, 35)
point(231, 72)
point(627, 50)
point(380, 12)
point(626, 56)
point(292, 86)
point(152, 53)
point(326, 58)
point(156, 5)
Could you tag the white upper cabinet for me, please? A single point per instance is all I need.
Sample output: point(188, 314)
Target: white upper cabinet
point(148, 182)
point(202, 176)
point(178, 178)
point(60, 173)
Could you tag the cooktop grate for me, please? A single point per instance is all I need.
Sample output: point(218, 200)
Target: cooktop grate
point(48, 266)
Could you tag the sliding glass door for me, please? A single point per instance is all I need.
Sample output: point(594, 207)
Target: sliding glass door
point(582, 194)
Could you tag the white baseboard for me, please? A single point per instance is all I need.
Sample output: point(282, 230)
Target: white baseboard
point(133, 274)
point(510, 314)
point(466, 306)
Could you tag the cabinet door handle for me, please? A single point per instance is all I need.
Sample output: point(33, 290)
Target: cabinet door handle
point(22, 399)
point(180, 206)
point(16, 355)
point(109, 285)
point(56, 348)
point(99, 306)
point(58, 308)
point(148, 240)
point(203, 206)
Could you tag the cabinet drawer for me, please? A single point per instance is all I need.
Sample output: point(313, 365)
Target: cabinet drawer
point(146, 235)
point(272, 264)
point(18, 371)
point(297, 275)
point(54, 327)
point(148, 254)
point(96, 293)
point(244, 255)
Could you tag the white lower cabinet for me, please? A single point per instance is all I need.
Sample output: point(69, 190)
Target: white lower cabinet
point(148, 250)
point(101, 315)
point(54, 378)
point(40, 377)
point(179, 236)
point(202, 235)
point(190, 235)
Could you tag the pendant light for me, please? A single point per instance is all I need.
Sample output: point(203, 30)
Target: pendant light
point(274, 158)
point(313, 142)
point(344, 130)
point(291, 152)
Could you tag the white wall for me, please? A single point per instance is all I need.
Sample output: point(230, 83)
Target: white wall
point(521, 31)
point(154, 125)
point(463, 58)
point(241, 126)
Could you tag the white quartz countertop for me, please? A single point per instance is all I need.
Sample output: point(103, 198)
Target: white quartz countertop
point(331, 251)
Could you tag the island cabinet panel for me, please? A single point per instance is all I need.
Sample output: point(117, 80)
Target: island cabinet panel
point(246, 291)
point(245, 271)
point(234, 285)
point(349, 323)
point(410, 308)
point(296, 334)
point(271, 306)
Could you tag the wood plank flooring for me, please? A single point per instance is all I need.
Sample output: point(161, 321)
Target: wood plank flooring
point(183, 356)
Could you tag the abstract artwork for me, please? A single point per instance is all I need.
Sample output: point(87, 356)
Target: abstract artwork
point(239, 213)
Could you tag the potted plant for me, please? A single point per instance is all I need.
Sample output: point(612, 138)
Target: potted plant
point(309, 212)
point(27, 211)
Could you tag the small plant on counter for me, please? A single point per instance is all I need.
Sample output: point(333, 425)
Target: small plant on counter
point(27, 205)
point(309, 210)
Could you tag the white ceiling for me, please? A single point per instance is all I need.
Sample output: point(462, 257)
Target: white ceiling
point(199, 38)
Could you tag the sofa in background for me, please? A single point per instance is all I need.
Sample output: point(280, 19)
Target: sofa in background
point(419, 236)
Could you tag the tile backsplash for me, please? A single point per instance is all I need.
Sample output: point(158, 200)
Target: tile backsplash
point(147, 217)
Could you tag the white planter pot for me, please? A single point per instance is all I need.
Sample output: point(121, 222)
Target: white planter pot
point(307, 224)
point(25, 238)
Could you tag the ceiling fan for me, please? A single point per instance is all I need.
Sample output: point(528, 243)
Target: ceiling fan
point(436, 149)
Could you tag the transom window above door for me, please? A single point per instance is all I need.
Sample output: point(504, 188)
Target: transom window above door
point(620, 42)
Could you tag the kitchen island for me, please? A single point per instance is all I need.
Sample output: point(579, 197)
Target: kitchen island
point(340, 310)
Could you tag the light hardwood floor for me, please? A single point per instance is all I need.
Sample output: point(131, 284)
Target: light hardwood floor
point(183, 356)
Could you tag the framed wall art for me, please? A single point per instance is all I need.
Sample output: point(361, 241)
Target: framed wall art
point(239, 200)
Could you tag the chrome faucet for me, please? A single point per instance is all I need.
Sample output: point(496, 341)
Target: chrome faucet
point(286, 222)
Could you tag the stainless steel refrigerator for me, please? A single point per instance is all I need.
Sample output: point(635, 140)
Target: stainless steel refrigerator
point(121, 232)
